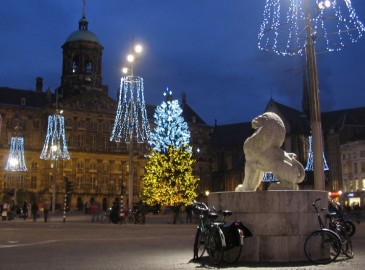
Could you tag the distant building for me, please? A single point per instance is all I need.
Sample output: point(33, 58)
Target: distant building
point(97, 167)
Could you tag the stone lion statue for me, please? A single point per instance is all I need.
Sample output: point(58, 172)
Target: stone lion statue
point(263, 154)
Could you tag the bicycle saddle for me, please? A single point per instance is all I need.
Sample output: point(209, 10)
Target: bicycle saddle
point(227, 213)
point(212, 216)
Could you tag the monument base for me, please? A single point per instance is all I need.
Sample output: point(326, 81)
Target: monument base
point(279, 221)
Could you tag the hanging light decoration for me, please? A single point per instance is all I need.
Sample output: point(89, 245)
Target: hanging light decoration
point(55, 145)
point(16, 160)
point(283, 30)
point(309, 166)
point(131, 116)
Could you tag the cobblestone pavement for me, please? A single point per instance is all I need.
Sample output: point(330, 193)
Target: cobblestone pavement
point(80, 244)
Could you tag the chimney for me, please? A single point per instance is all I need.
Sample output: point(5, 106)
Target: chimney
point(39, 85)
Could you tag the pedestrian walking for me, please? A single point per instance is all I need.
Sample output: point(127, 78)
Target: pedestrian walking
point(34, 211)
point(4, 212)
point(189, 213)
point(46, 206)
point(25, 210)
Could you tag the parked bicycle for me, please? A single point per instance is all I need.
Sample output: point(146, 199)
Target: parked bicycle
point(342, 231)
point(323, 246)
point(335, 212)
point(221, 239)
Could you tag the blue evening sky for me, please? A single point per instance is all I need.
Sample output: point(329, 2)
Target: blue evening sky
point(205, 48)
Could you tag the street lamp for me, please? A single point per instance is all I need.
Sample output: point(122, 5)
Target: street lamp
point(131, 123)
point(55, 146)
point(299, 32)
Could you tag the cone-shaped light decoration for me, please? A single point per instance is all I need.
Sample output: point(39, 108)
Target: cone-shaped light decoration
point(283, 30)
point(309, 166)
point(131, 116)
point(16, 160)
point(55, 145)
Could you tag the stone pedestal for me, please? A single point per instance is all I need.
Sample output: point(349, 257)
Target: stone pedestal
point(279, 221)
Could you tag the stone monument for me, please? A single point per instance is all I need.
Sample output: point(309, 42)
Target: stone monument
point(280, 220)
point(263, 154)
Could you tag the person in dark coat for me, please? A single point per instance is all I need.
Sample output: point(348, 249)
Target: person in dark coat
point(34, 210)
point(25, 210)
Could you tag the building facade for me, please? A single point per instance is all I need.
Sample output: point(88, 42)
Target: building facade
point(98, 167)
point(352, 156)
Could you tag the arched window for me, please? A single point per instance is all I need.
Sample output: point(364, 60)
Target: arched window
point(75, 64)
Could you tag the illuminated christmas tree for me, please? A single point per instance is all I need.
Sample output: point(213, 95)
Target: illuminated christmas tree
point(171, 128)
point(169, 176)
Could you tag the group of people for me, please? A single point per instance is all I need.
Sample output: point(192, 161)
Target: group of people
point(9, 211)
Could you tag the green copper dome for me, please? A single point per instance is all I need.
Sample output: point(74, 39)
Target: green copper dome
point(83, 33)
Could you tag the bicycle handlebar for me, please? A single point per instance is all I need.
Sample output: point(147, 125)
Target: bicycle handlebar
point(316, 207)
point(201, 206)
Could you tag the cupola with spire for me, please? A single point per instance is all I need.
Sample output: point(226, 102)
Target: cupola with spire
point(82, 61)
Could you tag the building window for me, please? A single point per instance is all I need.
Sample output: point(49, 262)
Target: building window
point(80, 166)
point(88, 67)
point(105, 167)
point(80, 140)
point(355, 167)
point(34, 165)
point(106, 141)
point(36, 123)
point(33, 182)
point(362, 153)
point(75, 64)
point(93, 141)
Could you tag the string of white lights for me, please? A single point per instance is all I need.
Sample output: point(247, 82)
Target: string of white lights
point(131, 116)
point(16, 161)
point(309, 166)
point(283, 30)
point(55, 145)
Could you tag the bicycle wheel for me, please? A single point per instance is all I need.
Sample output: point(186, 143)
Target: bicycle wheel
point(214, 246)
point(322, 246)
point(350, 227)
point(346, 243)
point(233, 249)
point(199, 244)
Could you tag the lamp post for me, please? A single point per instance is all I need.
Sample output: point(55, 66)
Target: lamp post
point(284, 37)
point(131, 123)
point(16, 161)
point(55, 146)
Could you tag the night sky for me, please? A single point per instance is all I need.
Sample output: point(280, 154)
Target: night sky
point(205, 48)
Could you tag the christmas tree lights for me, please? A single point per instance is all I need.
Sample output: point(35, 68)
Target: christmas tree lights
point(131, 116)
point(171, 128)
point(283, 30)
point(169, 178)
point(309, 166)
point(55, 145)
point(16, 160)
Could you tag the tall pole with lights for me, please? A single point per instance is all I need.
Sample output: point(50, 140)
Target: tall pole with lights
point(131, 123)
point(333, 24)
point(55, 146)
